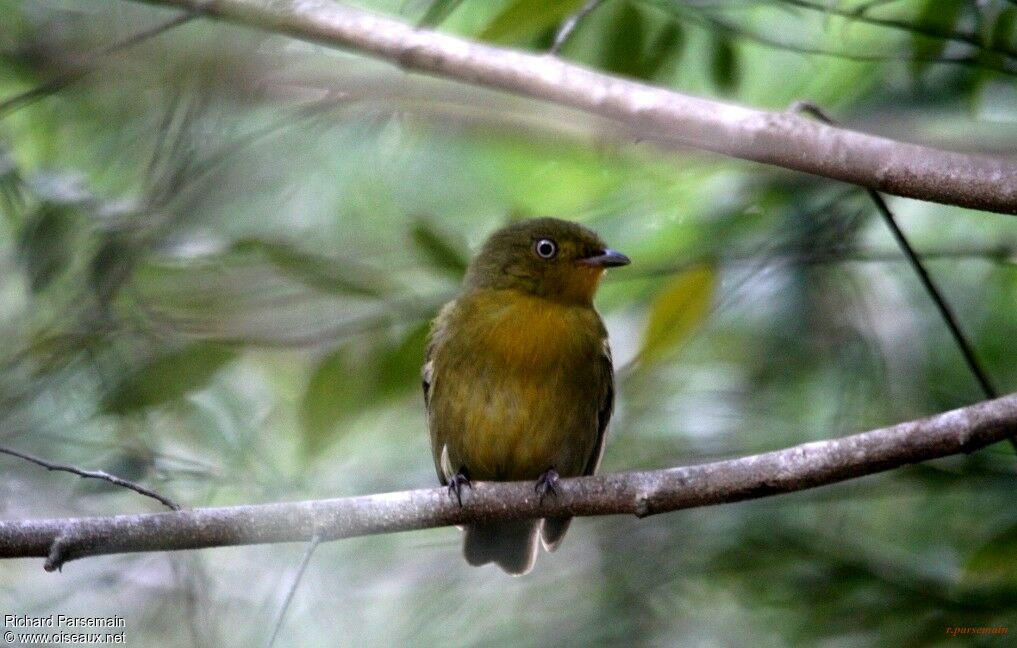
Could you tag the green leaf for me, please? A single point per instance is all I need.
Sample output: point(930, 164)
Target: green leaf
point(723, 63)
point(677, 311)
point(337, 388)
point(12, 188)
point(666, 46)
point(445, 251)
point(628, 49)
point(938, 15)
point(168, 377)
point(346, 382)
point(338, 276)
point(994, 561)
point(624, 45)
point(44, 246)
point(111, 266)
point(1004, 29)
point(399, 366)
point(438, 12)
point(526, 18)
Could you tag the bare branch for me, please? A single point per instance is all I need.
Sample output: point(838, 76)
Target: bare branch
point(782, 139)
point(94, 474)
point(640, 493)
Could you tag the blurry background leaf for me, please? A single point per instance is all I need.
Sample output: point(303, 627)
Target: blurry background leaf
point(341, 276)
point(438, 12)
point(168, 377)
point(624, 46)
point(1004, 29)
point(939, 16)
point(638, 46)
point(348, 381)
point(400, 364)
point(723, 63)
point(44, 247)
point(444, 251)
point(11, 187)
point(664, 49)
point(680, 307)
point(995, 561)
point(339, 387)
point(111, 266)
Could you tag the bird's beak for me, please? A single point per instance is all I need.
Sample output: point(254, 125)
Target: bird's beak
point(606, 259)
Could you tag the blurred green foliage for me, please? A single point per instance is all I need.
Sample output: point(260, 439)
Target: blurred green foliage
point(220, 250)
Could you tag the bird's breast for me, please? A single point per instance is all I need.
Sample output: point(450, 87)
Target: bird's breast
point(515, 392)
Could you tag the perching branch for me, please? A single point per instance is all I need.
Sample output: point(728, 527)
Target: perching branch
point(94, 474)
point(639, 493)
point(782, 139)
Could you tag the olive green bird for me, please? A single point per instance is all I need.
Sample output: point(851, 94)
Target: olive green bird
point(518, 382)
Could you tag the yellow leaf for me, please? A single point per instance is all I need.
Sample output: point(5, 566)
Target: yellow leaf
point(677, 311)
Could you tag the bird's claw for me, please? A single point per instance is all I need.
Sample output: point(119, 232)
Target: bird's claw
point(547, 483)
point(456, 484)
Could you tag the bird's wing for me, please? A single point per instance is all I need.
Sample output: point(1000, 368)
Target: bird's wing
point(427, 377)
point(554, 529)
point(426, 374)
point(434, 340)
point(604, 366)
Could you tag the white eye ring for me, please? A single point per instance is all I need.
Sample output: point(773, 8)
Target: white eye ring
point(545, 248)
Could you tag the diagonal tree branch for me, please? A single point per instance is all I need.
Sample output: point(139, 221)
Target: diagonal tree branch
point(782, 139)
point(639, 493)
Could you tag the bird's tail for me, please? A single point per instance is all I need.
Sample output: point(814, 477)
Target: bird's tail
point(512, 545)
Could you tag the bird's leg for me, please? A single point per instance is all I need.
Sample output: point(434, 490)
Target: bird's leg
point(455, 485)
point(547, 483)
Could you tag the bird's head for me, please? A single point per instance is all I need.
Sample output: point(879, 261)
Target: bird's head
point(547, 257)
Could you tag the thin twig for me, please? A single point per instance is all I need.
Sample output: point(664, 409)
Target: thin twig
point(315, 541)
point(94, 474)
point(64, 79)
point(945, 311)
point(990, 254)
point(710, 21)
point(570, 24)
point(967, 38)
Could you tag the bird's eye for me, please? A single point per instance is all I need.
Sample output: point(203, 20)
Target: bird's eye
point(545, 248)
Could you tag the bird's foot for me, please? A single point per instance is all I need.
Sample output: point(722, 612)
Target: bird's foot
point(456, 484)
point(547, 483)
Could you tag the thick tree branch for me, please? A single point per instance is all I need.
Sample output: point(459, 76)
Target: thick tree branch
point(639, 493)
point(656, 114)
